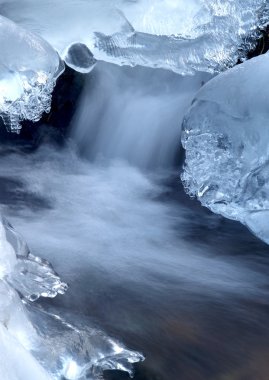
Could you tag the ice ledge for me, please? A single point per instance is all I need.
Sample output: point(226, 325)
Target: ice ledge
point(182, 36)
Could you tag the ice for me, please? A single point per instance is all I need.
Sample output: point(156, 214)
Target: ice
point(36, 344)
point(31, 276)
point(183, 36)
point(29, 67)
point(77, 351)
point(8, 256)
point(202, 44)
point(16, 331)
point(80, 58)
point(226, 141)
point(16, 362)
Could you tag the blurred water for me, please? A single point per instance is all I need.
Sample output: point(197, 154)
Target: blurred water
point(134, 114)
point(143, 261)
point(152, 268)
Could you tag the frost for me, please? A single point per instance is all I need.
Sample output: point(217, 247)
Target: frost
point(183, 36)
point(226, 141)
point(28, 70)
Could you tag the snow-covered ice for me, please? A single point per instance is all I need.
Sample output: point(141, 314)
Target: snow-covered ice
point(226, 140)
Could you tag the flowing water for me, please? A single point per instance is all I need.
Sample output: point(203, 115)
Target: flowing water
point(144, 263)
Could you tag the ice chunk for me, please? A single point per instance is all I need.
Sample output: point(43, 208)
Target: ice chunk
point(77, 351)
point(8, 256)
point(17, 337)
point(183, 36)
point(31, 276)
point(35, 344)
point(226, 141)
point(34, 277)
point(29, 67)
point(80, 58)
point(16, 362)
point(201, 44)
point(16, 331)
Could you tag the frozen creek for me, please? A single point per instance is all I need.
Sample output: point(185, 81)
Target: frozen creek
point(142, 262)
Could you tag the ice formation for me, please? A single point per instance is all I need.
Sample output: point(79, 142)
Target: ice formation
point(79, 57)
point(29, 67)
point(16, 331)
point(79, 352)
point(226, 141)
point(31, 276)
point(183, 36)
point(35, 344)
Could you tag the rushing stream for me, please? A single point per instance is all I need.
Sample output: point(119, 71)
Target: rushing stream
point(119, 121)
point(188, 283)
point(144, 263)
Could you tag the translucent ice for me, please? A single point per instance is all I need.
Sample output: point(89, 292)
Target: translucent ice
point(35, 344)
point(182, 36)
point(16, 362)
point(31, 276)
point(80, 58)
point(28, 69)
point(226, 141)
point(79, 351)
point(8, 256)
point(16, 331)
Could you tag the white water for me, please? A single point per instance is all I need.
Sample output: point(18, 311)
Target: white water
point(106, 224)
point(109, 219)
point(133, 114)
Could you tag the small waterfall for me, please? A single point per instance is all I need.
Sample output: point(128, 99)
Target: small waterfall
point(133, 114)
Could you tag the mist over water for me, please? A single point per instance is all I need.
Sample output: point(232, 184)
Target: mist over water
point(144, 263)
